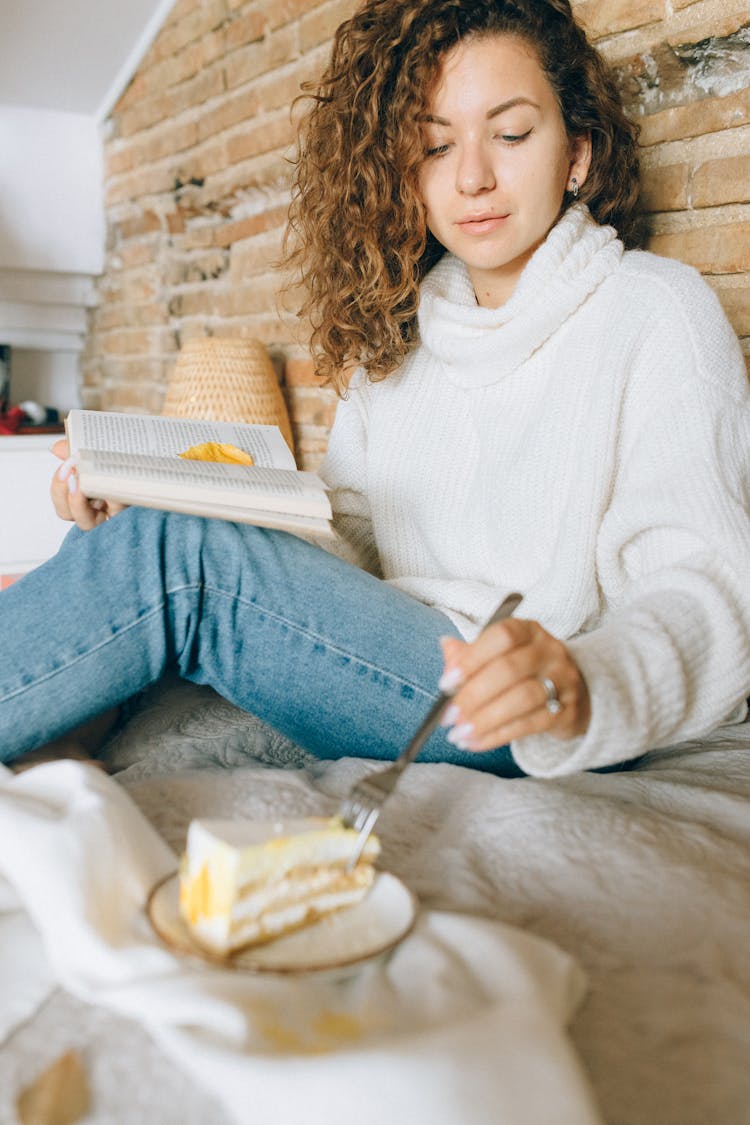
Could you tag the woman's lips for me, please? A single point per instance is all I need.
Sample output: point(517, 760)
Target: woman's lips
point(481, 224)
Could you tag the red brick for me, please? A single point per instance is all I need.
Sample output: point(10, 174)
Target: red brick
point(193, 25)
point(278, 12)
point(196, 91)
point(276, 132)
point(319, 25)
point(247, 63)
point(117, 160)
point(736, 303)
point(92, 399)
point(135, 254)
point(720, 21)
point(151, 180)
point(163, 141)
point(144, 223)
point(240, 229)
point(205, 301)
point(310, 450)
point(246, 28)
point(180, 9)
point(135, 370)
point(209, 159)
point(602, 19)
point(129, 316)
point(279, 90)
point(724, 248)
point(199, 237)
point(133, 399)
point(259, 255)
point(136, 287)
point(300, 373)
point(313, 406)
point(266, 174)
point(240, 106)
point(136, 89)
point(665, 188)
point(725, 180)
point(710, 115)
point(270, 91)
point(137, 341)
point(197, 267)
point(185, 65)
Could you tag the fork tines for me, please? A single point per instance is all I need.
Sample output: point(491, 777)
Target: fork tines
point(361, 807)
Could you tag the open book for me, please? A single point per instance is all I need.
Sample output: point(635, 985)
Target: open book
point(135, 459)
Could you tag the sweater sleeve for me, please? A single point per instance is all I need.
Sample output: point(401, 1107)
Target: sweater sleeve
point(344, 471)
point(670, 658)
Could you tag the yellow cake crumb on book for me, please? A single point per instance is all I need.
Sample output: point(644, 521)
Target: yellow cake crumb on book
point(220, 452)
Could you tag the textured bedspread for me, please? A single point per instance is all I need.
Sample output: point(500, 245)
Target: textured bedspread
point(644, 877)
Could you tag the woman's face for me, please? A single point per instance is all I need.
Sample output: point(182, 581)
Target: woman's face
point(497, 160)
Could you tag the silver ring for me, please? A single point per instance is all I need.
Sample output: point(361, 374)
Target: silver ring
point(552, 702)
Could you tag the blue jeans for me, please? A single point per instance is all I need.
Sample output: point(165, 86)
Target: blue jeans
point(338, 661)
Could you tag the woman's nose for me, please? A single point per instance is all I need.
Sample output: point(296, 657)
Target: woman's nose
point(475, 172)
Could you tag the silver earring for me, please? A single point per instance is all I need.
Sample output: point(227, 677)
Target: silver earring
point(574, 187)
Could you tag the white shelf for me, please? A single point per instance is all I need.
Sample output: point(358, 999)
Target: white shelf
point(44, 310)
point(30, 530)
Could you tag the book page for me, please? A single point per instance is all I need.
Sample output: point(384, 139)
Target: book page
point(165, 436)
point(308, 526)
point(134, 476)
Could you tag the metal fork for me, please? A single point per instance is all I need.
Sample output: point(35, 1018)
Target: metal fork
point(361, 806)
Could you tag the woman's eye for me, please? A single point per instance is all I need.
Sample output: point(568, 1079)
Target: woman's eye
point(436, 150)
point(515, 138)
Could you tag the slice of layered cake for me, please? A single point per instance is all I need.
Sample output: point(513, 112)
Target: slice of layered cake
point(243, 883)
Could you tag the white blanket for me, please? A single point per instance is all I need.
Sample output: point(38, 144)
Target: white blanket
point(464, 1023)
point(642, 877)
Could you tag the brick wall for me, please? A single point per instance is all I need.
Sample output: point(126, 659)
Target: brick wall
point(196, 179)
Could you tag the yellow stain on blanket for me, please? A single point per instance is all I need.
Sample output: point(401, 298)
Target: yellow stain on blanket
point(338, 1025)
point(328, 1031)
point(222, 451)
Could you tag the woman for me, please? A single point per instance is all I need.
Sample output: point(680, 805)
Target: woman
point(534, 409)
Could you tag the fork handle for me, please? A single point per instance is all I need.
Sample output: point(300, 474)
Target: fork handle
point(432, 718)
point(428, 725)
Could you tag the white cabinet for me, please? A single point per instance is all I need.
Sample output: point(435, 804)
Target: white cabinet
point(30, 531)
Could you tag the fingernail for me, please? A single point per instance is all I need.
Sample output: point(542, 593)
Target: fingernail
point(460, 736)
point(64, 470)
point(72, 484)
point(450, 715)
point(450, 679)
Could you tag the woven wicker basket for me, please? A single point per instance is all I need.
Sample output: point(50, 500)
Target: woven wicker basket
point(227, 380)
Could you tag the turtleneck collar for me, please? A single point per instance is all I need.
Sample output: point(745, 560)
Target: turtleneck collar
point(478, 346)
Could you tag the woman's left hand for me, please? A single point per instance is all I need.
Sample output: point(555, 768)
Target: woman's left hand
point(499, 693)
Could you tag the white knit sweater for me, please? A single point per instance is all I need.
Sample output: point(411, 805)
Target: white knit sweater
point(588, 443)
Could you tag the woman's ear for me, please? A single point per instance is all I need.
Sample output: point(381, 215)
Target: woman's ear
point(580, 158)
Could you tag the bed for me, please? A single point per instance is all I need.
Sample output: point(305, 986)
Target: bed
point(642, 878)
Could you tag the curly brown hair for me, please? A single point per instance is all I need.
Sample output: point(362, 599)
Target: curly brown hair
point(357, 231)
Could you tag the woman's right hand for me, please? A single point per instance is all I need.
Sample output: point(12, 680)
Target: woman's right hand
point(67, 498)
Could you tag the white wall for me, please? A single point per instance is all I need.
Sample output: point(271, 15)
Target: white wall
point(51, 246)
point(51, 206)
point(65, 63)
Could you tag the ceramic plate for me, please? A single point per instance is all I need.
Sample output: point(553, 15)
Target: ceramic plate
point(342, 940)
